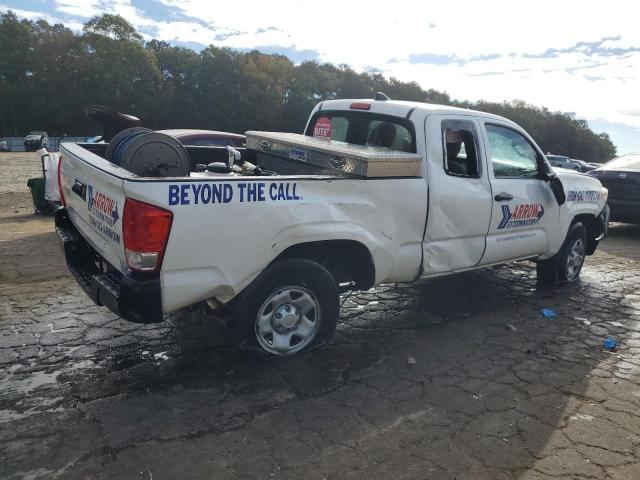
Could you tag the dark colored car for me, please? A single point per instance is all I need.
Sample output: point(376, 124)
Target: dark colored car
point(205, 138)
point(621, 176)
point(561, 161)
point(583, 166)
point(35, 141)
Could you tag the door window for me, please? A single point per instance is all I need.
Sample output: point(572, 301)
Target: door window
point(459, 148)
point(512, 156)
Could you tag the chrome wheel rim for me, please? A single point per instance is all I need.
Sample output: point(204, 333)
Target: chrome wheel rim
point(288, 320)
point(575, 259)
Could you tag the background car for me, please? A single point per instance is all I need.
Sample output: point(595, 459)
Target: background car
point(4, 146)
point(583, 166)
point(561, 161)
point(622, 177)
point(206, 138)
point(35, 141)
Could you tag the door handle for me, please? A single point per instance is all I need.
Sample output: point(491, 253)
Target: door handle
point(503, 197)
point(79, 189)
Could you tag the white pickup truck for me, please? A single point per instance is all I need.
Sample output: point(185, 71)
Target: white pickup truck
point(277, 250)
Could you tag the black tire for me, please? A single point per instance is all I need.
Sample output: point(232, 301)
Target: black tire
point(556, 269)
point(285, 279)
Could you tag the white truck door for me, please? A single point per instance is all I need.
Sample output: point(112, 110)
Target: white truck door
point(525, 210)
point(460, 200)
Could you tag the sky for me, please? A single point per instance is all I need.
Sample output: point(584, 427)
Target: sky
point(566, 55)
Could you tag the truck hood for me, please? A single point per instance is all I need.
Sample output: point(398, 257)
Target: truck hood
point(577, 182)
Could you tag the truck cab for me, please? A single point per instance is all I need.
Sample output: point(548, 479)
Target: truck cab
point(492, 195)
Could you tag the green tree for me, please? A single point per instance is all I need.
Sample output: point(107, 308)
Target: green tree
point(114, 27)
point(120, 72)
point(264, 91)
point(309, 84)
point(16, 59)
point(178, 67)
point(57, 72)
point(48, 74)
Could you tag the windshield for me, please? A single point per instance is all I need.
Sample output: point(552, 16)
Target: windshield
point(628, 162)
point(360, 128)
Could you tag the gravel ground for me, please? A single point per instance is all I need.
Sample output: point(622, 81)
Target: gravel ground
point(458, 377)
point(17, 168)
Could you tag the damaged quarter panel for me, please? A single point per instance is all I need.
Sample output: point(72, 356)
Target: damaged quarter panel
point(235, 227)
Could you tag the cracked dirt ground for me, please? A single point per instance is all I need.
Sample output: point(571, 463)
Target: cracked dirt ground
point(496, 391)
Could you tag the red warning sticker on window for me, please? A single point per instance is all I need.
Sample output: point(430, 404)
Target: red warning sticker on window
point(322, 128)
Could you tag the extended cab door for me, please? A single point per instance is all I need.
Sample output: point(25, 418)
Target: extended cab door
point(525, 210)
point(460, 202)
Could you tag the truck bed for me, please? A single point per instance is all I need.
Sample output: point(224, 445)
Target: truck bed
point(197, 154)
point(226, 229)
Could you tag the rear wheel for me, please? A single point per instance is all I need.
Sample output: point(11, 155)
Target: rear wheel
point(566, 265)
point(292, 306)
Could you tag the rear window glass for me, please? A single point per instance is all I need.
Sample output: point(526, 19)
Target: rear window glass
point(631, 162)
point(366, 129)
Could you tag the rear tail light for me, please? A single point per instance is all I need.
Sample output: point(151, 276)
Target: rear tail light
point(145, 229)
point(360, 106)
point(64, 204)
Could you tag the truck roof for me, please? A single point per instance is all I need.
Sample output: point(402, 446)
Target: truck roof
point(401, 108)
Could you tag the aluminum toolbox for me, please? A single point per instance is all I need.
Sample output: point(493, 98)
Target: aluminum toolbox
point(294, 154)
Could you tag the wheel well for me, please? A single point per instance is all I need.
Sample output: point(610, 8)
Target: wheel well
point(347, 260)
point(591, 224)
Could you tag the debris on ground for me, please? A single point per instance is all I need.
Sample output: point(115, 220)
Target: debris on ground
point(547, 312)
point(411, 361)
point(511, 327)
point(610, 343)
point(161, 356)
point(583, 320)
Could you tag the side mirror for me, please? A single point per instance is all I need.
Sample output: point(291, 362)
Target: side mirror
point(556, 186)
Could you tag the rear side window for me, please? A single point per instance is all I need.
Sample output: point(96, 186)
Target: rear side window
point(460, 150)
point(360, 128)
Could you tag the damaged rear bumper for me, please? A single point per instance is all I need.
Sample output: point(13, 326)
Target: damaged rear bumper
point(136, 298)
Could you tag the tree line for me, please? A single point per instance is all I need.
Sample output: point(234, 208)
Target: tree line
point(48, 74)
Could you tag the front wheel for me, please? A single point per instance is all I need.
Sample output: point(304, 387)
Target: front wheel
point(566, 265)
point(290, 307)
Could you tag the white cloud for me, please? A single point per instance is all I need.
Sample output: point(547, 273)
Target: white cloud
point(80, 8)
point(28, 14)
point(134, 15)
point(184, 32)
point(33, 15)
